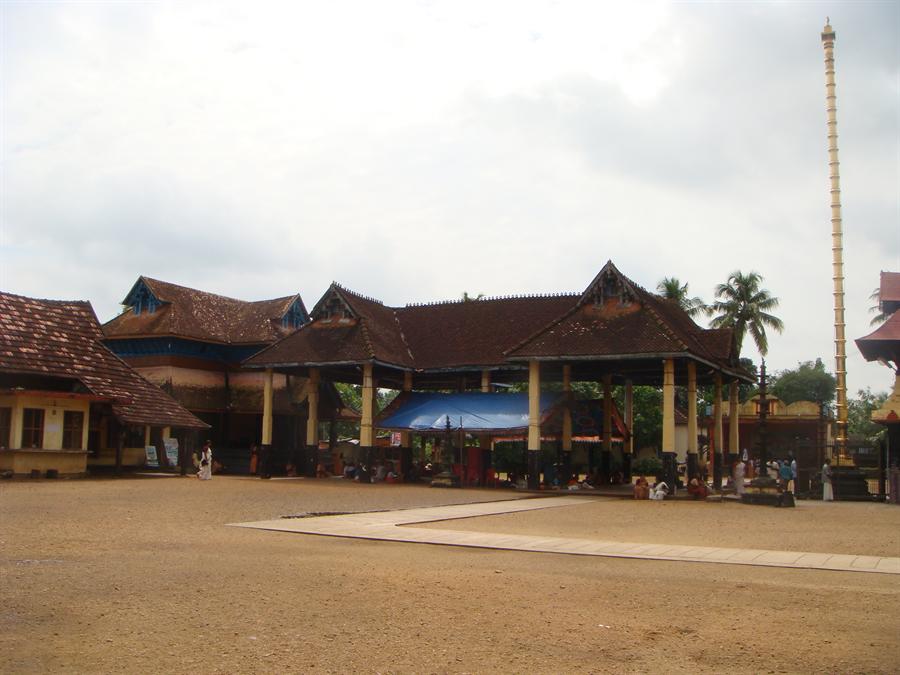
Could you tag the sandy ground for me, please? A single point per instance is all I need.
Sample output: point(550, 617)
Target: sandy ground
point(142, 575)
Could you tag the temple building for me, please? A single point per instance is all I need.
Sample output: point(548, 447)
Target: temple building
point(67, 402)
point(614, 333)
point(191, 343)
point(883, 345)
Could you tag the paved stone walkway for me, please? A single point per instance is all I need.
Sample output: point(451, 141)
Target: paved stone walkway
point(386, 526)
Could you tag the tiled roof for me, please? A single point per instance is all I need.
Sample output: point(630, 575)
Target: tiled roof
point(60, 338)
point(646, 325)
point(883, 342)
point(491, 332)
point(475, 333)
point(419, 337)
point(889, 291)
point(189, 313)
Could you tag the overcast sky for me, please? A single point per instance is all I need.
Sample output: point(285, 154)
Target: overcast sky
point(416, 150)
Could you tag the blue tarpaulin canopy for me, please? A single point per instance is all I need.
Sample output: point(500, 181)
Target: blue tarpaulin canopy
point(473, 411)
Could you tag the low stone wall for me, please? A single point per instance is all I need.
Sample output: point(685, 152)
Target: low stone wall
point(26, 461)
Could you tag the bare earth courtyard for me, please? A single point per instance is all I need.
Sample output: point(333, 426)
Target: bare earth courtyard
point(143, 575)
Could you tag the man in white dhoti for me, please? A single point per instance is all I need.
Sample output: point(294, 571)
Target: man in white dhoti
point(827, 490)
point(659, 491)
point(205, 472)
point(739, 470)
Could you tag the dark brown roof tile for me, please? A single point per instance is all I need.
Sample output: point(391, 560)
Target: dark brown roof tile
point(61, 338)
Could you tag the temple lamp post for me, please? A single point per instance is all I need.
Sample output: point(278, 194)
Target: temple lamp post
point(763, 415)
point(763, 479)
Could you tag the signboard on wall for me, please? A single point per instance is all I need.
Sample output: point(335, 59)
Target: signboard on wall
point(152, 458)
point(171, 451)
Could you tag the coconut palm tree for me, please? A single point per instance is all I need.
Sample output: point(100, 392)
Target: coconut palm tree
point(672, 289)
point(880, 317)
point(744, 306)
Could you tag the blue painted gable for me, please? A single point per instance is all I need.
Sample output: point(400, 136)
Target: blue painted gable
point(141, 299)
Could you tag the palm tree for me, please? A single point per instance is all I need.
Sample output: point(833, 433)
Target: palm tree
point(744, 306)
point(880, 316)
point(672, 289)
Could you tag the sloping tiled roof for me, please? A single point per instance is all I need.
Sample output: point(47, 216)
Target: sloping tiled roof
point(883, 342)
point(61, 338)
point(492, 332)
point(889, 291)
point(475, 333)
point(417, 337)
point(650, 325)
point(189, 313)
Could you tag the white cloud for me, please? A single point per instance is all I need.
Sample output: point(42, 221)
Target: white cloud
point(414, 150)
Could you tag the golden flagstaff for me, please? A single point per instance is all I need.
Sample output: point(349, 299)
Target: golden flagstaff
point(837, 246)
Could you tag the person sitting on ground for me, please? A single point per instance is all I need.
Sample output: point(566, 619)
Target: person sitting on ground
point(697, 488)
point(659, 491)
point(380, 473)
point(391, 476)
point(641, 488)
point(320, 471)
point(349, 470)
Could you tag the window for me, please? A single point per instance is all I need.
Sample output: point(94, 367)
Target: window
point(33, 428)
point(73, 426)
point(5, 427)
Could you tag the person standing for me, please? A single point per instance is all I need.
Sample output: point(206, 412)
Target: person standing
point(827, 489)
point(784, 472)
point(794, 475)
point(739, 471)
point(205, 472)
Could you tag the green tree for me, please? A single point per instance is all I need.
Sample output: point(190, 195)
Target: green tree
point(859, 413)
point(809, 381)
point(351, 395)
point(744, 306)
point(671, 288)
point(648, 417)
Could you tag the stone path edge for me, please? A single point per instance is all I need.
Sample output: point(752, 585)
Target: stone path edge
point(394, 526)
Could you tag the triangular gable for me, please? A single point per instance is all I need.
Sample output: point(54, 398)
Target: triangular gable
point(333, 305)
point(141, 298)
point(295, 315)
point(610, 286)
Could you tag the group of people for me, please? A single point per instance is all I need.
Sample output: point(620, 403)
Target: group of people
point(382, 472)
point(784, 471)
point(657, 492)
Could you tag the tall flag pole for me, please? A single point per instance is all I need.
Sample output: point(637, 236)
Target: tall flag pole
point(837, 246)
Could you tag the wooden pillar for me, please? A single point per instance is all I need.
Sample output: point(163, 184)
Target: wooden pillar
point(734, 443)
point(668, 430)
point(267, 409)
point(606, 454)
point(406, 436)
point(693, 446)
point(567, 412)
point(312, 423)
point(534, 424)
point(366, 425)
point(718, 444)
point(312, 419)
point(486, 381)
point(628, 448)
point(146, 435)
